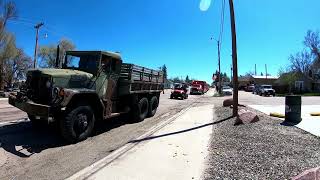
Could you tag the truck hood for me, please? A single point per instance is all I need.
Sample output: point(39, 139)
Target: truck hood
point(66, 78)
point(62, 72)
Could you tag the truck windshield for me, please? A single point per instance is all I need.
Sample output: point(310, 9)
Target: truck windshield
point(87, 63)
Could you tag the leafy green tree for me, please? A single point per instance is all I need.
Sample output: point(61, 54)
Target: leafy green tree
point(7, 11)
point(176, 80)
point(15, 61)
point(48, 53)
point(187, 79)
point(16, 67)
point(164, 70)
point(287, 77)
point(224, 77)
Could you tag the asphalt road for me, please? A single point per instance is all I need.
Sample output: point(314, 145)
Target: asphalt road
point(247, 98)
point(28, 153)
point(9, 113)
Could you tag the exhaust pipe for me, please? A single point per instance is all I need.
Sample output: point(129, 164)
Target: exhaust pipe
point(58, 57)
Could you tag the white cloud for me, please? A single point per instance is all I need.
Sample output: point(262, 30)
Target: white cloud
point(204, 5)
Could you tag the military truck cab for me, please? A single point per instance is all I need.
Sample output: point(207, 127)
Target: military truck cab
point(90, 86)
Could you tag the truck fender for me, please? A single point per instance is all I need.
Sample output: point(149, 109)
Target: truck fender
point(89, 98)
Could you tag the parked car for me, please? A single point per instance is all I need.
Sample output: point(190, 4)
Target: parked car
point(226, 90)
point(256, 89)
point(267, 90)
point(249, 88)
point(179, 91)
point(2, 94)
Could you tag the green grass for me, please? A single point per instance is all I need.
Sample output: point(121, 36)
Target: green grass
point(304, 94)
point(311, 94)
point(280, 95)
point(218, 95)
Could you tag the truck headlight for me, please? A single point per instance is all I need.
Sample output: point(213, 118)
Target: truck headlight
point(61, 92)
point(48, 84)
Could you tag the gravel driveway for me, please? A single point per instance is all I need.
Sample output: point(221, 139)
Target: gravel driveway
point(263, 150)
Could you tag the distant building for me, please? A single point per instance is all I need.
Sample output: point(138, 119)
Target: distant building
point(168, 84)
point(253, 79)
point(298, 83)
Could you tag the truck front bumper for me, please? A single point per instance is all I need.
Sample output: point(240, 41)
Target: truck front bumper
point(177, 95)
point(30, 107)
point(196, 92)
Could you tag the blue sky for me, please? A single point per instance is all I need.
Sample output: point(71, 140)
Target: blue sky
point(173, 32)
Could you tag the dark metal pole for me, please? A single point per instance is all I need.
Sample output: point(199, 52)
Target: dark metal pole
point(58, 57)
point(255, 69)
point(36, 47)
point(265, 65)
point(231, 72)
point(219, 67)
point(234, 60)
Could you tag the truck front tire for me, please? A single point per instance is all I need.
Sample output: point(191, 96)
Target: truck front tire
point(153, 105)
point(78, 124)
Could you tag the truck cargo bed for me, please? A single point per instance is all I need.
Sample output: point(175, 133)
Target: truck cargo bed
point(137, 79)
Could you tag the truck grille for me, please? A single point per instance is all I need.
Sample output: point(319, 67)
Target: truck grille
point(36, 88)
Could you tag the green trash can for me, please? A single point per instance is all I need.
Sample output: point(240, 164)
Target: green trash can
point(293, 109)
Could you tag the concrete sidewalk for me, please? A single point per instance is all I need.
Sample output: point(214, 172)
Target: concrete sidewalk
point(309, 123)
point(177, 151)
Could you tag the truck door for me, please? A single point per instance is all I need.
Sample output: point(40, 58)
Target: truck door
point(111, 68)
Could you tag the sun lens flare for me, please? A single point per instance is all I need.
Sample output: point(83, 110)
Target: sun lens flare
point(204, 5)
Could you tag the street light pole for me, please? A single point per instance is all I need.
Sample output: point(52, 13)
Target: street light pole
point(219, 63)
point(36, 47)
point(234, 60)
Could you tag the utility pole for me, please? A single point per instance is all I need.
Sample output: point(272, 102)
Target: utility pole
point(255, 69)
point(36, 47)
point(219, 67)
point(234, 60)
point(265, 66)
point(231, 72)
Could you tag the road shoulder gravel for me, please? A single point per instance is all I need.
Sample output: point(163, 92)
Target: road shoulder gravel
point(263, 150)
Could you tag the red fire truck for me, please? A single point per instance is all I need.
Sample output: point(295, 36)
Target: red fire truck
point(199, 87)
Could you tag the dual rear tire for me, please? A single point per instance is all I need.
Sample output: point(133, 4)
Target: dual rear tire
point(145, 108)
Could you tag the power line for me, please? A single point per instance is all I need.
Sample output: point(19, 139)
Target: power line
point(47, 27)
point(222, 22)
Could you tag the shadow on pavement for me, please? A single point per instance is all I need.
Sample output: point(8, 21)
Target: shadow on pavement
point(24, 140)
point(182, 131)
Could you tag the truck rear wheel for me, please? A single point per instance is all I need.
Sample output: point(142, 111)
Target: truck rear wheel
point(140, 111)
point(153, 105)
point(78, 124)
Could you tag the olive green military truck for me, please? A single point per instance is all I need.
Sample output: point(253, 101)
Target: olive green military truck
point(90, 86)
